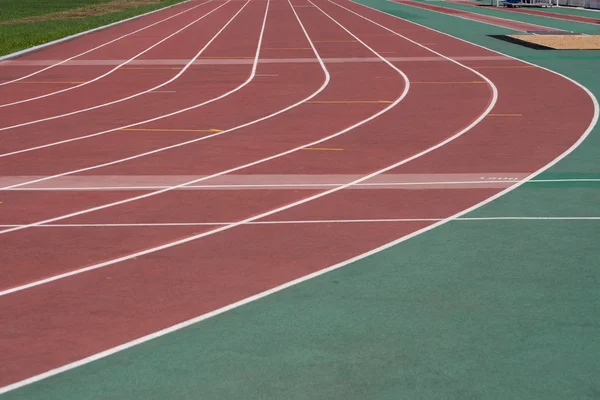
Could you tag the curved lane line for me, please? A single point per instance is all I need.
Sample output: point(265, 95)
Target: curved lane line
point(295, 282)
point(103, 75)
point(202, 317)
point(184, 324)
point(102, 45)
point(169, 188)
point(181, 72)
point(291, 205)
point(253, 73)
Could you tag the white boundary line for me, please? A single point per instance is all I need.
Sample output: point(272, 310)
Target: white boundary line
point(76, 35)
point(279, 288)
point(297, 185)
point(99, 77)
point(477, 14)
point(304, 222)
point(100, 46)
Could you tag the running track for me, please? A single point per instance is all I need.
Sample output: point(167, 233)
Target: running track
point(548, 14)
point(311, 91)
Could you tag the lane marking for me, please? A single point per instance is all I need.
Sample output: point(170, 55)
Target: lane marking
point(327, 79)
point(452, 83)
point(171, 130)
point(301, 185)
point(260, 161)
point(288, 48)
point(214, 99)
point(280, 287)
point(335, 41)
point(49, 82)
point(350, 102)
point(302, 279)
point(307, 222)
point(106, 73)
point(505, 115)
point(220, 60)
point(137, 68)
point(104, 44)
point(226, 57)
point(506, 66)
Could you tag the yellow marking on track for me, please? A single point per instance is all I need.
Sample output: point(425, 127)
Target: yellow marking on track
point(506, 66)
point(322, 148)
point(288, 48)
point(335, 41)
point(350, 101)
point(212, 130)
point(450, 83)
point(150, 68)
point(51, 82)
point(379, 34)
point(505, 115)
point(225, 57)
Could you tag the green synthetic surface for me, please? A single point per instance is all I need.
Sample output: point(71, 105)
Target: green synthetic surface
point(470, 310)
point(20, 36)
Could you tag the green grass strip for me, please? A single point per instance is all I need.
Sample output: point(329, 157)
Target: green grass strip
point(15, 37)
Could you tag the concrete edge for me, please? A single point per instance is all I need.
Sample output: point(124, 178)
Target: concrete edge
point(76, 35)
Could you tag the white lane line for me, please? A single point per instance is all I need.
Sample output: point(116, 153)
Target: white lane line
point(103, 45)
point(253, 74)
point(304, 222)
point(295, 185)
point(262, 186)
point(331, 268)
point(274, 211)
point(98, 77)
point(269, 116)
point(132, 199)
point(151, 90)
point(227, 227)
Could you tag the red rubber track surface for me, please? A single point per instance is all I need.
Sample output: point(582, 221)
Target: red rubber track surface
point(68, 319)
point(567, 17)
point(121, 51)
point(130, 80)
point(505, 23)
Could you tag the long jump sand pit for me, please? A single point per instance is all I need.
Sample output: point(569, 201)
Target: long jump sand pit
point(562, 42)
